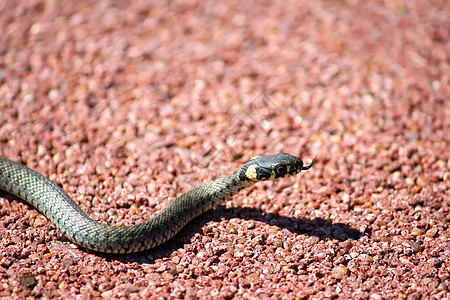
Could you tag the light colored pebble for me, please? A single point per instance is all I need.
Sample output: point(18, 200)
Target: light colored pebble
point(371, 217)
point(339, 272)
point(417, 231)
point(431, 232)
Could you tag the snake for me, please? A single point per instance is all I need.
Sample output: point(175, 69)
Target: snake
point(51, 200)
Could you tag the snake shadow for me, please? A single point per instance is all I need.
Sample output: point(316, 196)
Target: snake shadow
point(321, 228)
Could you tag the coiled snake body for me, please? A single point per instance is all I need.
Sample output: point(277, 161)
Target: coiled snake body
point(78, 227)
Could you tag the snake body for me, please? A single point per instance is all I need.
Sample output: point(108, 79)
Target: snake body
point(78, 227)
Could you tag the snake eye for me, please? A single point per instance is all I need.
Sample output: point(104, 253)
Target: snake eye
point(281, 170)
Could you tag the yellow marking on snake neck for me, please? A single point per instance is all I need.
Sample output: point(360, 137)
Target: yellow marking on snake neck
point(251, 172)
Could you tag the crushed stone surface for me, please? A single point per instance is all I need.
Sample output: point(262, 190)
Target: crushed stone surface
point(127, 104)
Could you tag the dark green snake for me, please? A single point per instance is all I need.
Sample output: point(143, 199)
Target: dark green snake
point(78, 227)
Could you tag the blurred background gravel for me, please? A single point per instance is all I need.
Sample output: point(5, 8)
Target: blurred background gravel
point(127, 104)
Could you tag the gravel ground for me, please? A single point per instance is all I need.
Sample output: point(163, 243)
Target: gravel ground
point(126, 104)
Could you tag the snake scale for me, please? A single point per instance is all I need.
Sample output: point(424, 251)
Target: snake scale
point(78, 227)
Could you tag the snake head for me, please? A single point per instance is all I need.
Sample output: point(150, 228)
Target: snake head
point(269, 167)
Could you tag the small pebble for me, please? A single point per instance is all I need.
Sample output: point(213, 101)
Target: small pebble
point(278, 243)
point(422, 181)
point(375, 297)
point(431, 232)
point(339, 272)
point(87, 269)
point(417, 231)
point(371, 217)
point(416, 247)
point(409, 182)
point(28, 280)
point(367, 259)
point(202, 255)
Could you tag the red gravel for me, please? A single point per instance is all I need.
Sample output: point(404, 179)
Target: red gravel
point(128, 104)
